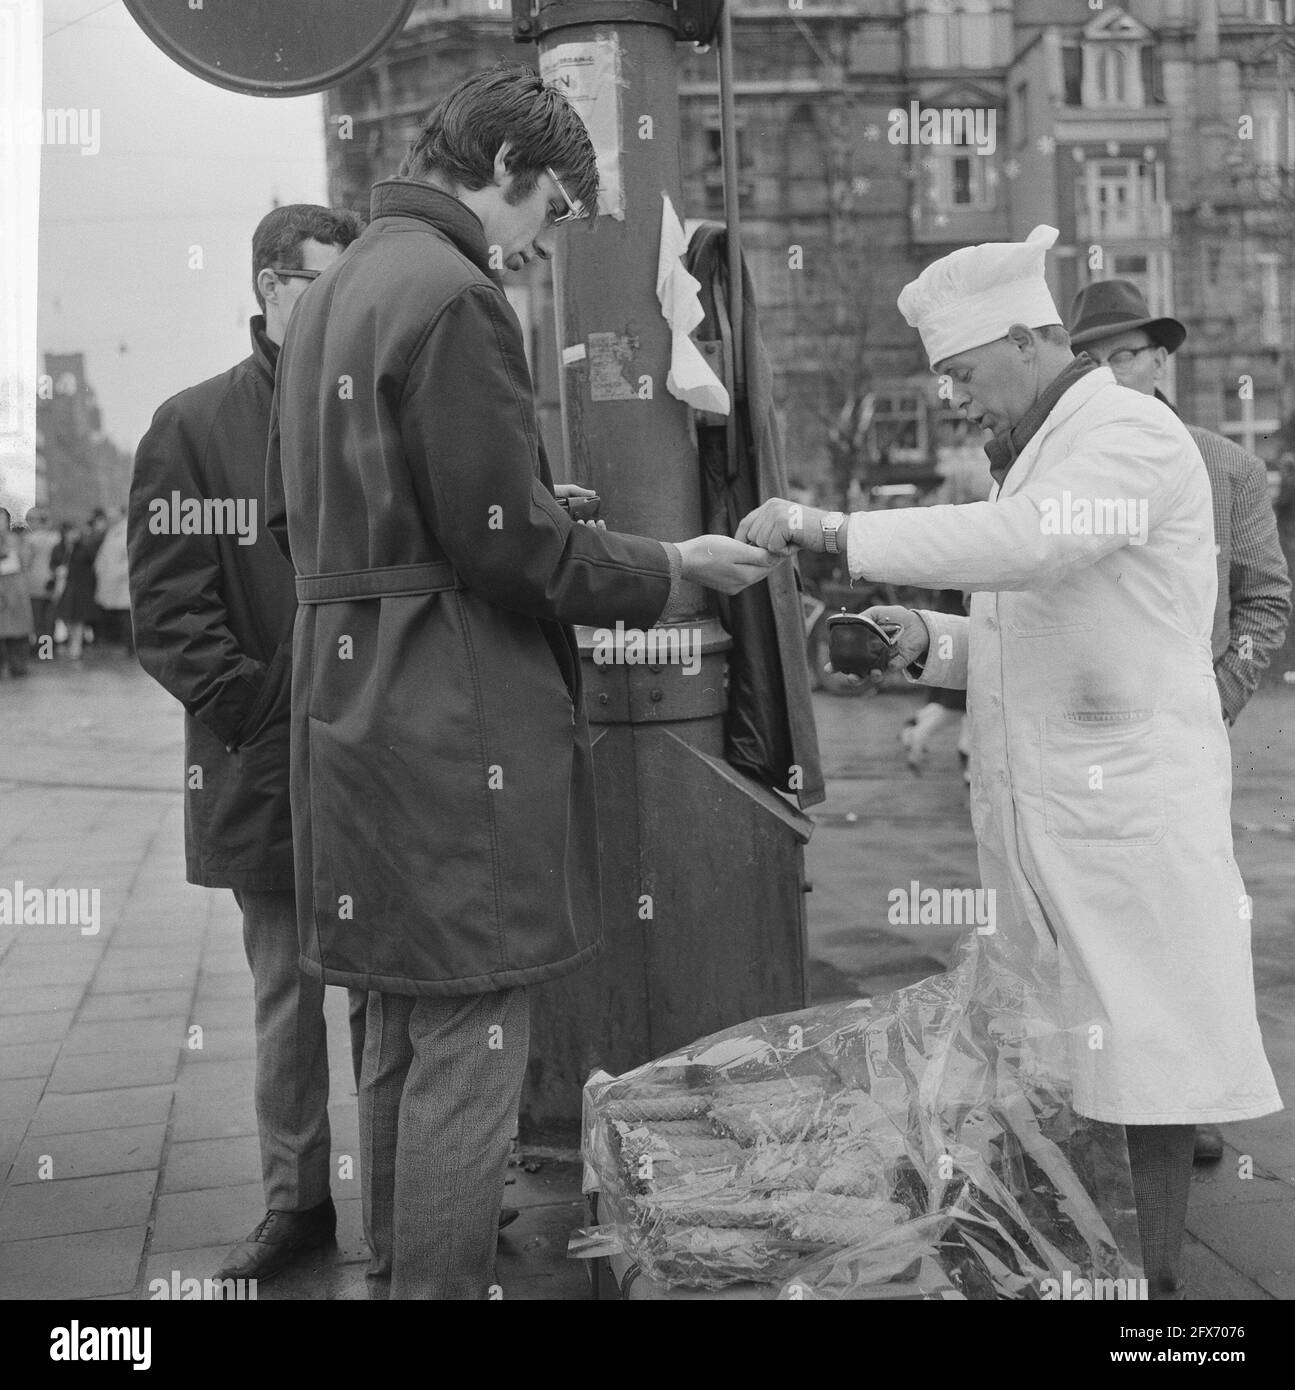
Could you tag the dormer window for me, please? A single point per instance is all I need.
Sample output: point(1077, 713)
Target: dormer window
point(1113, 65)
point(1110, 85)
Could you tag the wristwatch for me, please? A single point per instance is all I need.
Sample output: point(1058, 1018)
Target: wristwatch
point(831, 525)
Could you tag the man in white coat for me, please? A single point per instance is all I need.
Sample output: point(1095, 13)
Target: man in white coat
point(1101, 775)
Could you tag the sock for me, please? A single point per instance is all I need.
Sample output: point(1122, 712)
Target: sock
point(1160, 1161)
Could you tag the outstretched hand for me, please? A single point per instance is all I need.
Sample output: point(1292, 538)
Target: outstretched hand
point(782, 526)
point(720, 562)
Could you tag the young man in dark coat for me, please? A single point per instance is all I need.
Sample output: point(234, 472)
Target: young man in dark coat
point(214, 603)
point(442, 782)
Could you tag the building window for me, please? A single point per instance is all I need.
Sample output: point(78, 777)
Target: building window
point(1250, 422)
point(1112, 74)
point(1112, 89)
point(1271, 11)
point(1072, 74)
point(713, 167)
point(1020, 115)
point(1121, 198)
point(957, 177)
point(959, 34)
point(898, 433)
point(1270, 299)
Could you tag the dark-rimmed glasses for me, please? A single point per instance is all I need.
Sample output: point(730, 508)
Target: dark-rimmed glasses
point(575, 208)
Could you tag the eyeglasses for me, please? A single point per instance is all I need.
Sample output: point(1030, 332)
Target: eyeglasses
point(575, 208)
point(298, 274)
point(1125, 356)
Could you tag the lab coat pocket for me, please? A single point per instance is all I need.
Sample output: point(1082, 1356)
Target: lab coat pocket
point(1103, 778)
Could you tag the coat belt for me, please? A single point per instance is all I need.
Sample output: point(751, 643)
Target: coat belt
point(382, 582)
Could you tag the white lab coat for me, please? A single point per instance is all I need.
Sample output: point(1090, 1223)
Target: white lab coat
point(1101, 775)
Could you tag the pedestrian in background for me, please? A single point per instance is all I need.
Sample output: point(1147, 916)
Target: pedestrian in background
point(15, 606)
point(112, 586)
point(38, 551)
point(1111, 322)
point(213, 625)
point(77, 606)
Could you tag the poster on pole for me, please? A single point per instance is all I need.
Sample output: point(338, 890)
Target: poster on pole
point(589, 76)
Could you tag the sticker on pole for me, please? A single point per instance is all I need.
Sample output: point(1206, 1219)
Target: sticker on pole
point(589, 76)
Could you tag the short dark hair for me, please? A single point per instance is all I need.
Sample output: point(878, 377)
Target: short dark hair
point(276, 243)
point(508, 102)
point(1055, 334)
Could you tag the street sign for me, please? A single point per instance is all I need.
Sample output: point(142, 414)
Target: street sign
point(285, 49)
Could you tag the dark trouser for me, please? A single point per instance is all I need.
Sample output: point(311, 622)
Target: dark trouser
point(42, 614)
point(291, 1055)
point(116, 628)
point(357, 1009)
point(1160, 1161)
point(438, 1108)
point(13, 654)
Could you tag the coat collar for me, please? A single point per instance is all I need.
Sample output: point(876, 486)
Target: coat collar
point(265, 351)
point(401, 197)
point(1075, 399)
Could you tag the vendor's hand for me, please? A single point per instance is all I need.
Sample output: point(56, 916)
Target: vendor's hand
point(720, 562)
point(782, 526)
point(910, 634)
point(575, 490)
point(912, 637)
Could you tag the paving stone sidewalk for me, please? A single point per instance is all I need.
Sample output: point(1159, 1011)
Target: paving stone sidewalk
point(130, 1152)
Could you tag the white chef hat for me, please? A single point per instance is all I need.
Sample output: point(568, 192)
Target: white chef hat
point(974, 295)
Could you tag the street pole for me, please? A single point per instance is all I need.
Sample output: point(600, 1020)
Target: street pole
point(701, 867)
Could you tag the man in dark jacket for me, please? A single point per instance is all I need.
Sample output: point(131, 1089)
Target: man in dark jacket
point(442, 782)
point(214, 604)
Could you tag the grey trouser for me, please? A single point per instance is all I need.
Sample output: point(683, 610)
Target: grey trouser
point(291, 1055)
point(438, 1108)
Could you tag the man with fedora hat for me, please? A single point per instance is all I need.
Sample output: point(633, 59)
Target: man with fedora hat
point(1110, 321)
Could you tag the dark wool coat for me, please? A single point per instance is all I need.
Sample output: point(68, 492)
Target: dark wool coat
point(213, 624)
point(442, 781)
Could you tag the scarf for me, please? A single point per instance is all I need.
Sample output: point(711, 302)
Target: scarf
point(1006, 446)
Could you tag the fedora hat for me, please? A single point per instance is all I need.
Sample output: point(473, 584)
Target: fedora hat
point(1107, 307)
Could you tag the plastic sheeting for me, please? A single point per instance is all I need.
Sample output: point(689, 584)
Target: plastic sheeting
point(921, 1144)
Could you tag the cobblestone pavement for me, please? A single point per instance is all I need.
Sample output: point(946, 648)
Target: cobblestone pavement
point(130, 1152)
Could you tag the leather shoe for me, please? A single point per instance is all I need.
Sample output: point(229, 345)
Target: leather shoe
point(279, 1239)
point(1209, 1144)
point(507, 1215)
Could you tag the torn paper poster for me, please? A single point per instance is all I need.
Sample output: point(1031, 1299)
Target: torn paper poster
point(589, 76)
point(690, 378)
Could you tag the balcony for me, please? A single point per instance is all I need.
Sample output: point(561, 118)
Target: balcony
point(1117, 222)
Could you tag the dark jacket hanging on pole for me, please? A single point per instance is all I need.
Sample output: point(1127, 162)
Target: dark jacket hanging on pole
point(769, 731)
